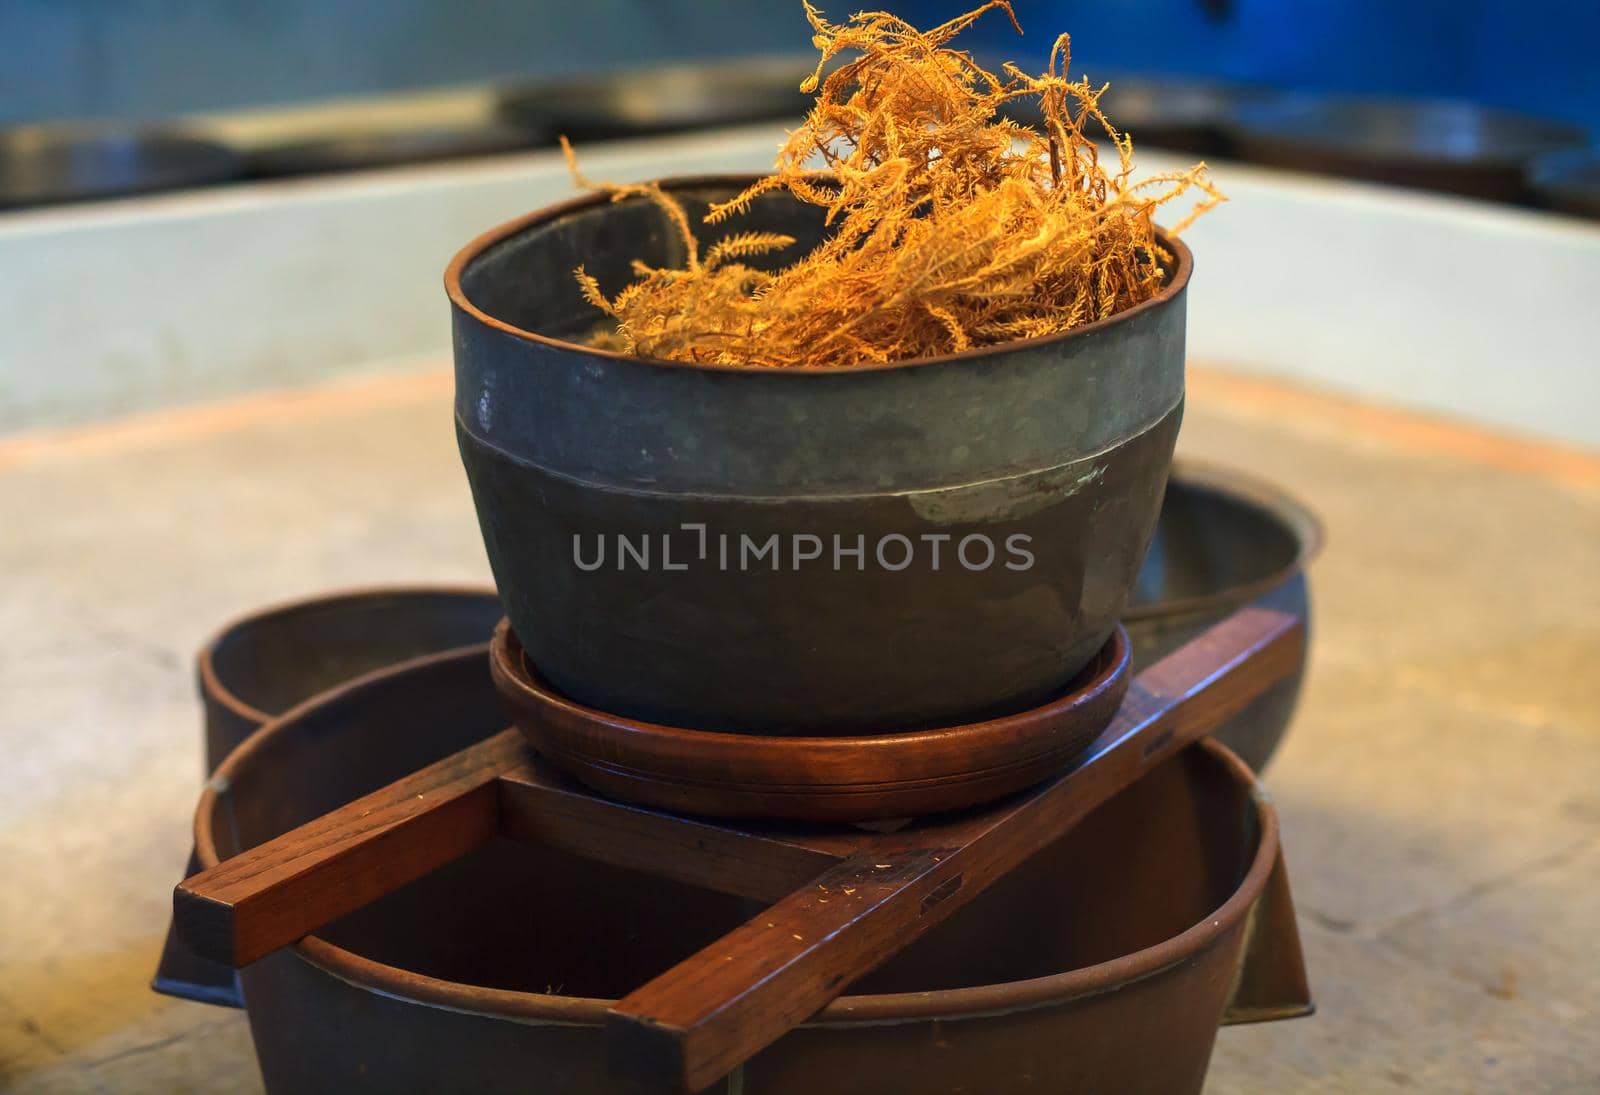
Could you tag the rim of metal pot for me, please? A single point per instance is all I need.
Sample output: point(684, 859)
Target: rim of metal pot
point(536, 1008)
point(1176, 283)
point(1306, 527)
point(205, 662)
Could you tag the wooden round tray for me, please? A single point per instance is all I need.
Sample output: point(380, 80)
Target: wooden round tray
point(815, 779)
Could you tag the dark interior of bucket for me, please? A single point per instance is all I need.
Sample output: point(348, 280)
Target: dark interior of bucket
point(1148, 865)
point(526, 280)
point(1209, 541)
point(279, 660)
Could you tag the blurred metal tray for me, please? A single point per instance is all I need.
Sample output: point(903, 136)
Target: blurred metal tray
point(361, 149)
point(40, 164)
point(1433, 144)
point(1172, 112)
point(663, 99)
point(1568, 182)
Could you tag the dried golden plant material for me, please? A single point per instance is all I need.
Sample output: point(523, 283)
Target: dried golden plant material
point(949, 227)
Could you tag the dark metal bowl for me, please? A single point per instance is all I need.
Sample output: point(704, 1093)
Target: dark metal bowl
point(1437, 145)
point(261, 665)
point(1064, 440)
point(1225, 539)
point(1568, 182)
point(60, 163)
point(663, 99)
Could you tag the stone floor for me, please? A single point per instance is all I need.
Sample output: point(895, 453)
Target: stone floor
point(1440, 793)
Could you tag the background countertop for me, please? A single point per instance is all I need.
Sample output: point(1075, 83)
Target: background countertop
point(1439, 790)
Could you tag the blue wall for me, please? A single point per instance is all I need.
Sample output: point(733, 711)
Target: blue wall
point(1534, 55)
point(149, 58)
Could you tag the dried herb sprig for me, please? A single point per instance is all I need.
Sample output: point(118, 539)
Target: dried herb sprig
point(950, 226)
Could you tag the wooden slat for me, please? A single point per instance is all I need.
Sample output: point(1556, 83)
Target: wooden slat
point(278, 892)
point(703, 1017)
point(542, 807)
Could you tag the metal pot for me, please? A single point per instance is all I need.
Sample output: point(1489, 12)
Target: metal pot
point(936, 469)
point(263, 664)
point(1104, 964)
point(1225, 539)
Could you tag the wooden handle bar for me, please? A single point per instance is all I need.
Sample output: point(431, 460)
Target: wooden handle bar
point(699, 1020)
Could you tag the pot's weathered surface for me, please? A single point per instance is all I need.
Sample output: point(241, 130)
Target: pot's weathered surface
point(678, 544)
point(1225, 539)
point(1103, 964)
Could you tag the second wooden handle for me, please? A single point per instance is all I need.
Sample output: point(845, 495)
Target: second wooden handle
point(705, 1016)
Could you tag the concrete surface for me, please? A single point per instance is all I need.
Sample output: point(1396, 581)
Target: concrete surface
point(1440, 792)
